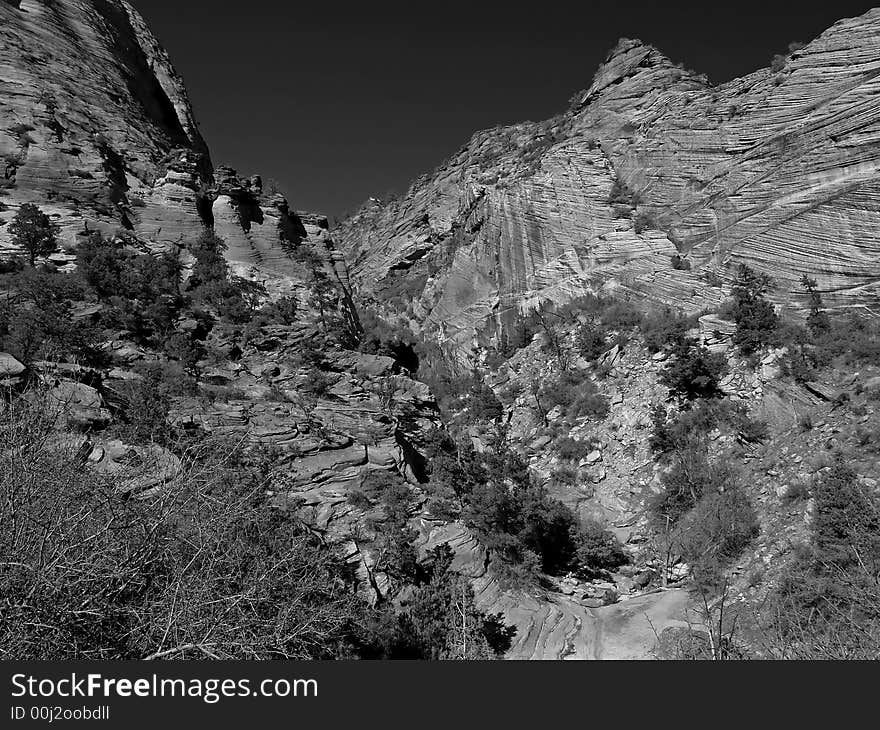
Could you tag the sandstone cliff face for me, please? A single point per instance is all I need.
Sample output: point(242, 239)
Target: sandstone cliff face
point(95, 124)
point(97, 130)
point(777, 170)
point(95, 127)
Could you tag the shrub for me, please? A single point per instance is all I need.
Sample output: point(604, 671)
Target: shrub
point(210, 284)
point(186, 350)
point(358, 499)
point(689, 477)
point(796, 491)
point(36, 319)
point(141, 290)
point(170, 376)
point(826, 605)
point(713, 279)
point(395, 552)
point(145, 410)
point(679, 263)
point(622, 194)
point(856, 340)
point(439, 620)
point(693, 372)
point(565, 475)
point(717, 532)
point(547, 531)
point(483, 405)
point(598, 551)
point(664, 327)
point(442, 503)
point(591, 341)
point(643, 221)
point(571, 449)
point(282, 311)
point(684, 428)
point(621, 315)
point(576, 394)
point(515, 518)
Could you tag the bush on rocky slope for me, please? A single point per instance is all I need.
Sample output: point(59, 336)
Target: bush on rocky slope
point(574, 393)
point(693, 372)
point(38, 318)
point(141, 291)
point(439, 620)
point(205, 568)
point(828, 604)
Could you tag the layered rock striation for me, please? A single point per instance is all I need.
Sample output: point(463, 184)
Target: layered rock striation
point(777, 170)
point(96, 128)
point(95, 124)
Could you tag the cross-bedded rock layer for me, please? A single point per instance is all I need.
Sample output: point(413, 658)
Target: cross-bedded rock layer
point(777, 170)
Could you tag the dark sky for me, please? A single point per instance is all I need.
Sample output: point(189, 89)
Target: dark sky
point(338, 104)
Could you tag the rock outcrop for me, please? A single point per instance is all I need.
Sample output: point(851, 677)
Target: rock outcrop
point(97, 130)
point(95, 124)
point(653, 182)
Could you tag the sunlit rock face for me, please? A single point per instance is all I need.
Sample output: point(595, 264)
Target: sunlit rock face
point(777, 170)
point(95, 124)
point(96, 128)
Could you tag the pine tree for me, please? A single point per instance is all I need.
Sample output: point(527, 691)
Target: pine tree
point(755, 318)
point(817, 320)
point(32, 230)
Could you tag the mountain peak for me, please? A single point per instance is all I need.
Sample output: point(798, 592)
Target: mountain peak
point(628, 58)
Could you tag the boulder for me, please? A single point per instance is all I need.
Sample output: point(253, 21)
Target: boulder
point(9, 366)
point(643, 580)
point(81, 404)
point(825, 392)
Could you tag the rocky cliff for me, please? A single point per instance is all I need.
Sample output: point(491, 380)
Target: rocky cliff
point(96, 125)
point(97, 130)
point(652, 185)
point(778, 170)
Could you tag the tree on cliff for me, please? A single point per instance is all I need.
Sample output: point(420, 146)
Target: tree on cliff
point(817, 321)
point(32, 230)
point(755, 318)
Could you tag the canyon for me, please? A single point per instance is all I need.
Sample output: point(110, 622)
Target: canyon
point(653, 186)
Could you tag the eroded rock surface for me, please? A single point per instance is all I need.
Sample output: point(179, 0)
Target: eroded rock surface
point(95, 124)
point(777, 170)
